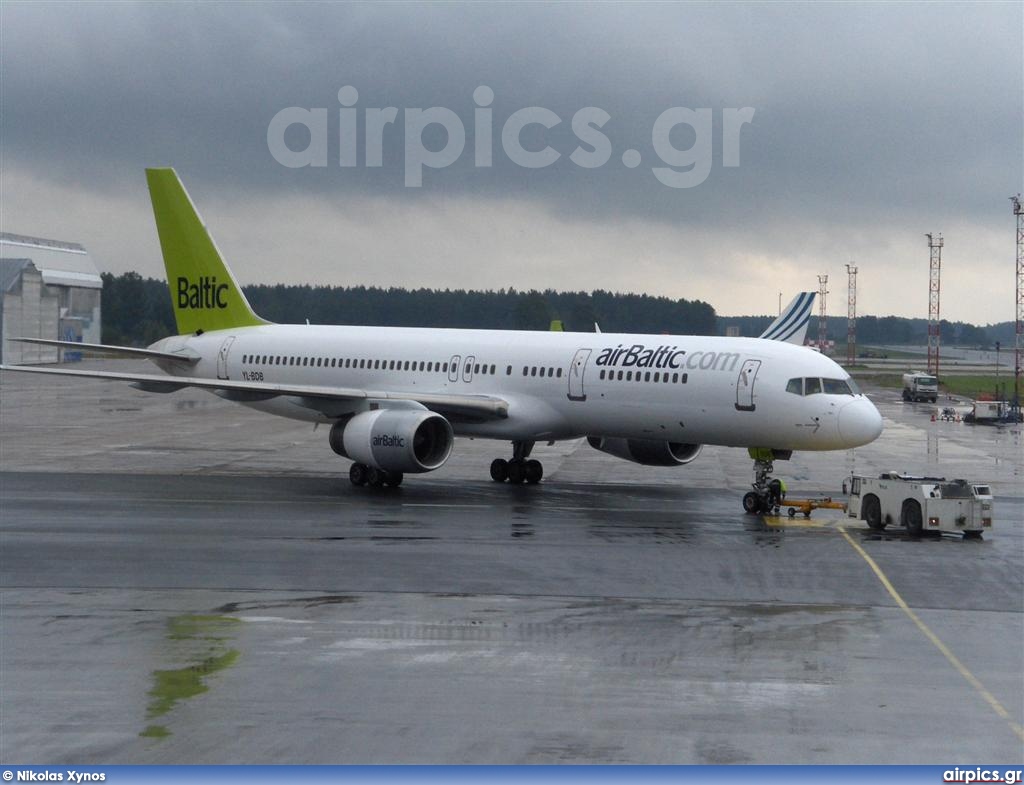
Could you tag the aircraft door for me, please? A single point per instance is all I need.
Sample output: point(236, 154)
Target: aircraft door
point(576, 371)
point(467, 369)
point(453, 368)
point(745, 385)
point(222, 357)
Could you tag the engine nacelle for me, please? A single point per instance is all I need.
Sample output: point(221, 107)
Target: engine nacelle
point(395, 440)
point(648, 452)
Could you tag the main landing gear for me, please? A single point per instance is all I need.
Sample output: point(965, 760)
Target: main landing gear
point(360, 474)
point(519, 469)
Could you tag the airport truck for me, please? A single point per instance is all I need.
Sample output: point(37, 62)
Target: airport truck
point(920, 386)
point(921, 504)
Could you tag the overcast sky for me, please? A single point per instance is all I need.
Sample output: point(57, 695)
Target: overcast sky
point(872, 124)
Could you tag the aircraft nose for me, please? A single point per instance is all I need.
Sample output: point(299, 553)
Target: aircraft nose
point(859, 422)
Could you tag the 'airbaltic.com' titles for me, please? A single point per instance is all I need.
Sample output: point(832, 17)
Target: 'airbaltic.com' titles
point(395, 398)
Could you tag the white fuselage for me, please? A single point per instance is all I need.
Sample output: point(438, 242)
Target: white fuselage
point(689, 389)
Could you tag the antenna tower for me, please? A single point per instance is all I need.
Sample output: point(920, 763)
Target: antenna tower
point(851, 314)
point(822, 322)
point(935, 247)
point(1019, 335)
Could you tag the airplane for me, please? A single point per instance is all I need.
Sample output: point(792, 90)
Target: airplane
point(395, 397)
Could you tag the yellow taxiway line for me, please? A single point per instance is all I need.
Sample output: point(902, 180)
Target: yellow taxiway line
point(952, 658)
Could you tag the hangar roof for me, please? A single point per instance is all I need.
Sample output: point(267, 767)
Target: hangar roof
point(61, 264)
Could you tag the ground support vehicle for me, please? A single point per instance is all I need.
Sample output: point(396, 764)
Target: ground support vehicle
point(921, 504)
point(919, 386)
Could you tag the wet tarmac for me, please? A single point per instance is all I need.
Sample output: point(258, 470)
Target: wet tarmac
point(185, 581)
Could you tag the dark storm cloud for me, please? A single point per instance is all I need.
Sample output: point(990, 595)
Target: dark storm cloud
point(860, 110)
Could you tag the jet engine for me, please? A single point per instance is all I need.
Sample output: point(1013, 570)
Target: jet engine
point(395, 440)
point(648, 452)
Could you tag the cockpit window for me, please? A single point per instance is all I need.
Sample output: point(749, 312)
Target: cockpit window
point(828, 386)
point(836, 387)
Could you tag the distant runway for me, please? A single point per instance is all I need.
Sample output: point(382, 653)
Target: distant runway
point(186, 581)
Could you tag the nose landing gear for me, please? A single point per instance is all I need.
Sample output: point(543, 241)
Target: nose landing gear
point(766, 495)
point(519, 469)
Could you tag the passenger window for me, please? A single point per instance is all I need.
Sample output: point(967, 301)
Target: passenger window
point(620, 376)
point(647, 376)
point(533, 371)
point(795, 386)
point(601, 375)
point(812, 386)
point(683, 378)
point(493, 368)
point(629, 376)
point(445, 368)
point(675, 378)
point(559, 373)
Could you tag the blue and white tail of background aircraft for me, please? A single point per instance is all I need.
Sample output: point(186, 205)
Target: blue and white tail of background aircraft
point(791, 326)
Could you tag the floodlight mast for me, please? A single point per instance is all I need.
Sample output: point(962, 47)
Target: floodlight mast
point(851, 314)
point(1018, 346)
point(935, 267)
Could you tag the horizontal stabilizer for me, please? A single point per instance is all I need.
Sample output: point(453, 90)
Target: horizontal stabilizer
point(791, 326)
point(102, 348)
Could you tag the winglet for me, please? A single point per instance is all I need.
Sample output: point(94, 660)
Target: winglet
point(204, 294)
point(791, 326)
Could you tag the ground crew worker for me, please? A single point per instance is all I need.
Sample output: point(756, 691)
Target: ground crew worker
point(776, 492)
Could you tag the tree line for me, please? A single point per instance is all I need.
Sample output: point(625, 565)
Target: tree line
point(137, 311)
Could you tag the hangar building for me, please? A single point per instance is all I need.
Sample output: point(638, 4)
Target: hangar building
point(48, 289)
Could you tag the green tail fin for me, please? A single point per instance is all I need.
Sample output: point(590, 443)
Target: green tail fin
point(204, 294)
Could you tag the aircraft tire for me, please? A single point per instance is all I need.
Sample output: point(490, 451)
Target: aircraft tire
point(375, 478)
point(751, 503)
point(534, 471)
point(499, 470)
point(516, 472)
point(357, 474)
point(394, 479)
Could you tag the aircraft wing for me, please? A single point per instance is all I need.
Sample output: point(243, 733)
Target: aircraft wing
point(330, 401)
point(791, 326)
point(103, 348)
